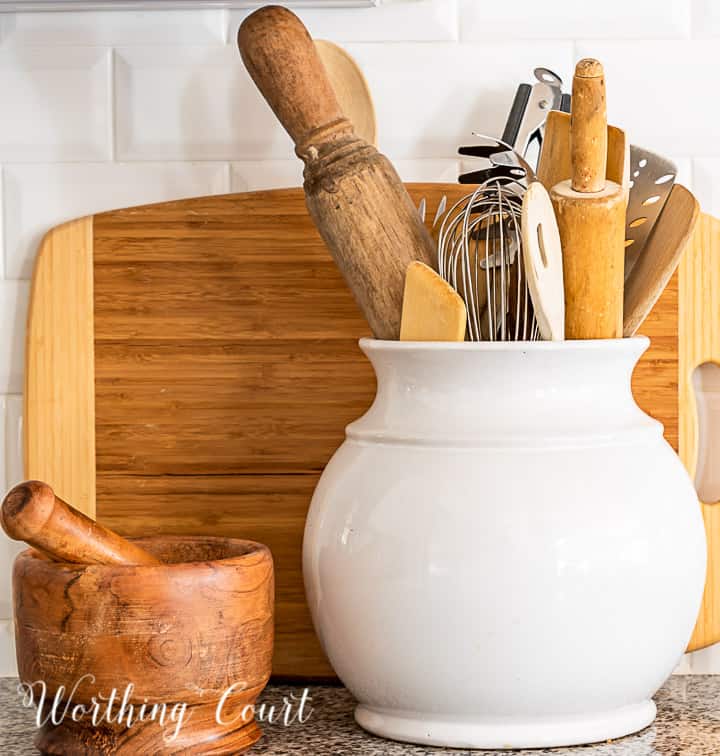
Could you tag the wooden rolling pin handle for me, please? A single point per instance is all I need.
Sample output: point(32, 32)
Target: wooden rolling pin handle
point(283, 62)
point(32, 513)
point(588, 127)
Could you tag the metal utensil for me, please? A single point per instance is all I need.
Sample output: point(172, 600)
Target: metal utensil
point(651, 181)
point(477, 256)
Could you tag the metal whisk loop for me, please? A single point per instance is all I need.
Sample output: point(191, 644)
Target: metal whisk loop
point(480, 256)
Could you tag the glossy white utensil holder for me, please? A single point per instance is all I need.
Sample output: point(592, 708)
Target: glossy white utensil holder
point(505, 552)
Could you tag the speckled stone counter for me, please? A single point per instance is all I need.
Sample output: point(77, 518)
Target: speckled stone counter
point(688, 724)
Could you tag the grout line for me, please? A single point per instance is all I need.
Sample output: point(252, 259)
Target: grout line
point(112, 125)
point(3, 225)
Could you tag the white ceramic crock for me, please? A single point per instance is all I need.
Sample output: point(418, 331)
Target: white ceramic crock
point(504, 552)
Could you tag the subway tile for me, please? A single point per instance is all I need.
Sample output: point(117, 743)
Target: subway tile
point(706, 661)
point(661, 93)
point(13, 315)
point(14, 466)
point(684, 666)
point(8, 663)
point(705, 18)
point(570, 19)
point(251, 176)
point(432, 171)
point(172, 27)
point(55, 104)
point(429, 99)
point(706, 183)
point(8, 548)
point(391, 21)
point(197, 104)
point(38, 197)
point(4, 485)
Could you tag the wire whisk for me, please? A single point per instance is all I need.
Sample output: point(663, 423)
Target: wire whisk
point(480, 256)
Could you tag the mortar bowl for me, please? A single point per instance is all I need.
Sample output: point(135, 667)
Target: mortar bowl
point(147, 659)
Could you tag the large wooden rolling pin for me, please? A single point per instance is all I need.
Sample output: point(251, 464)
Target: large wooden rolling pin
point(590, 212)
point(353, 193)
point(32, 513)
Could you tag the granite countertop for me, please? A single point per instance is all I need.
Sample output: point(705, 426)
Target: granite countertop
point(688, 724)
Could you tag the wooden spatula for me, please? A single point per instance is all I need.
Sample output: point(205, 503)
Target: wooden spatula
point(555, 165)
point(432, 309)
point(542, 255)
point(659, 258)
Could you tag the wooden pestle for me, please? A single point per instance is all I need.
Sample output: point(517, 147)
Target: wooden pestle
point(591, 217)
point(32, 513)
point(353, 194)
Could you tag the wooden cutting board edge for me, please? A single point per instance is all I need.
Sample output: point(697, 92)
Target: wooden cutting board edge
point(60, 375)
point(60, 389)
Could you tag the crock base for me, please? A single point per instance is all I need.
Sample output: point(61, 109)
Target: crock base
point(543, 732)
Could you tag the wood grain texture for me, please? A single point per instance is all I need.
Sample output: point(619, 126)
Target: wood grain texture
point(350, 87)
point(699, 334)
point(555, 164)
point(226, 368)
point(60, 369)
point(353, 193)
point(432, 309)
point(182, 632)
point(588, 127)
point(590, 214)
point(660, 257)
point(31, 512)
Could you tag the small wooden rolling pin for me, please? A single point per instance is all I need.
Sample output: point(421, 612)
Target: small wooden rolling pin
point(32, 513)
point(590, 212)
point(355, 197)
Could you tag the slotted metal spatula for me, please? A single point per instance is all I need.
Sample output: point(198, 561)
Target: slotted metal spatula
point(651, 181)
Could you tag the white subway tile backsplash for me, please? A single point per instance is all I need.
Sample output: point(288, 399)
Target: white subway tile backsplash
point(706, 18)
point(8, 548)
point(442, 171)
point(8, 665)
point(391, 21)
point(706, 183)
point(251, 176)
point(173, 27)
point(661, 93)
point(429, 100)
point(13, 315)
point(37, 197)
point(570, 19)
point(14, 466)
point(706, 661)
point(55, 104)
point(4, 485)
point(194, 103)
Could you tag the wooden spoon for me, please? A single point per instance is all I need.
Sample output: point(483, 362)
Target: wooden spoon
point(659, 258)
point(32, 513)
point(543, 262)
point(351, 88)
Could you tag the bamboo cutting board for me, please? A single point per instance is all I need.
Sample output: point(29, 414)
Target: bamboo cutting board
point(191, 366)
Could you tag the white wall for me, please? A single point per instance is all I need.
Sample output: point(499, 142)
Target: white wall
point(101, 110)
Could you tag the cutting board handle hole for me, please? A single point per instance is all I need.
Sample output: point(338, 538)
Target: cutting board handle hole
point(706, 388)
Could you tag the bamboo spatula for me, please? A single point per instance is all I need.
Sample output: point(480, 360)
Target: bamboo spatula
point(660, 257)
point(432, 309)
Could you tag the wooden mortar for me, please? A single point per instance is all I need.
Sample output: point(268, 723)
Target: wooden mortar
point(184, 631)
